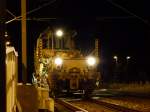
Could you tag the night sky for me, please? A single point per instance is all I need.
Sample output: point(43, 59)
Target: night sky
point(122, 27)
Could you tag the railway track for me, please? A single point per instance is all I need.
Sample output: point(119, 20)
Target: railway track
point(67, 106)
point(117, 108)
point(87, 105)
point(135, 103)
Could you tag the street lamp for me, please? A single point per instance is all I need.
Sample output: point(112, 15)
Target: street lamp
point(7, 43)
point(116, 69)
point(116, 59)
point(128, 58)
point(127, 65)
point(6, 34)
point(7, 39)
point(59, 33)
point(57, 61)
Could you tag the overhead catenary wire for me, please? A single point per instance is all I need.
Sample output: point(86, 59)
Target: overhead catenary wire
point(29, 12)
point(10, 13)
point(38, 19)
point(127, 11)
point(40, 7)
point(116, 17)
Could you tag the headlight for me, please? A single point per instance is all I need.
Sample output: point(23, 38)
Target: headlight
point(58, 61)
point(91, 61)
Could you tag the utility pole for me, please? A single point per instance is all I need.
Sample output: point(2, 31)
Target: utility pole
point(2, 57)
point(24, 41)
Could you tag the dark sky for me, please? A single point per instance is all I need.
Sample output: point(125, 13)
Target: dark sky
point(122, 26)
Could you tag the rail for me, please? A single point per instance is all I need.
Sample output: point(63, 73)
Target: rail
point(113, 106)
point(69, 106)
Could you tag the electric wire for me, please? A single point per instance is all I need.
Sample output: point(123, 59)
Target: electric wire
point(10, 13)
point(34, 10)
point(127, 11)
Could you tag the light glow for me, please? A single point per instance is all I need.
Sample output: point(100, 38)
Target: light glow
point(59, 33)
point(128, 57)
point(115, 57)
point(7, 43)
point(91, 61)
point(58, 61)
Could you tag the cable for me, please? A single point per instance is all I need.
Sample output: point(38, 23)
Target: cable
point(117, 17)
point(127, 11)
point(10, 13)
point(38, 19)
point(44, 5)
point(36, 9)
